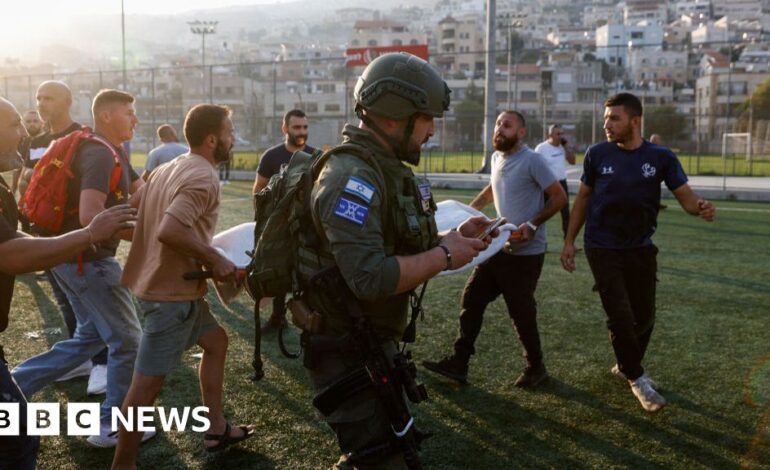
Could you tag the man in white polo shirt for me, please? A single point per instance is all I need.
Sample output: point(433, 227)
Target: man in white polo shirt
point(556, 151)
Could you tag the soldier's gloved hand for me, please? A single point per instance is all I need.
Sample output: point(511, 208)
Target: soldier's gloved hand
point(463, 249)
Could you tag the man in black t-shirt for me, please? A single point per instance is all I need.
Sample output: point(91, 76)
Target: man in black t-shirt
point(21, 253)
point(294, 129)
point(54, 103)
point(91, 280)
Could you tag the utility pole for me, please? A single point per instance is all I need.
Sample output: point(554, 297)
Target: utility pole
point(489, 87)
point(203, 28)
point(123, 40)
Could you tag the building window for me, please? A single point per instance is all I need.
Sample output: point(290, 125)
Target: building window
point(564, 97)
point(397, 42)
point(331, 107)
point(528, 96)
point(371, 42)
point(563, 78)
point(637, 35)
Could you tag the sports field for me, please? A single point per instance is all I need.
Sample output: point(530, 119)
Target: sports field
point(710, 353)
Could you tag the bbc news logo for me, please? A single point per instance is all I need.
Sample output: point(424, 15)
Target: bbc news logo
point(44, 419)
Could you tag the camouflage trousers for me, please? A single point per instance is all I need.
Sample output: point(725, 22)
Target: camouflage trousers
point(360, 422)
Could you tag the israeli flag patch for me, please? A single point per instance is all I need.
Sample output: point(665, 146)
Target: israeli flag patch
point(360, 188)
point(351, 211)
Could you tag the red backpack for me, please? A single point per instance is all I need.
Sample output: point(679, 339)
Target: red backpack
point(45, 200)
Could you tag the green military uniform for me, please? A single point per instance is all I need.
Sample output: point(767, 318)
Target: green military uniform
point(369, 207)
point(395, 217)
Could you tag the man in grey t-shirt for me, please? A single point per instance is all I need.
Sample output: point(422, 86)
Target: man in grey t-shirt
point(519, 178)
point(169, 149)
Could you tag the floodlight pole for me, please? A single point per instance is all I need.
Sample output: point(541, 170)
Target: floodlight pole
point(489, 88)
point(123, 39)
point(203, 28)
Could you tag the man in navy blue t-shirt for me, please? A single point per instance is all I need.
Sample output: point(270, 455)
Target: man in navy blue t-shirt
point(618, 200)
point(294, 129)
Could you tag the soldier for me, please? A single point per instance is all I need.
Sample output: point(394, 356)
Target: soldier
point(379, 236)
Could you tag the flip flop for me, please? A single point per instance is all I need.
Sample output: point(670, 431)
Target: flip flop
point(225, 440)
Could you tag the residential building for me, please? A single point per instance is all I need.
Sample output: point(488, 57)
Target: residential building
point(613, 40)
point(460, 44)
point(649, 11)
point(655, 63)
point(378, 33)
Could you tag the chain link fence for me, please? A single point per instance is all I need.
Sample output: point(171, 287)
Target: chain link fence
point(691, 120)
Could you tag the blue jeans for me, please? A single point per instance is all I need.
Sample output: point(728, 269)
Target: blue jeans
point(69, 315)
point(105, 315)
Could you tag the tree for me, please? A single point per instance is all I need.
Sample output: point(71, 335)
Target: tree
point(470, 115)
point(666, 121)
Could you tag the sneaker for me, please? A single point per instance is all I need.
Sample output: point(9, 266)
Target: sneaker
point(531, 377)
point(97, 381)
point(616, 371)
point(450, 366)
point(80, 371)
point(108, 438)
point(650, 399)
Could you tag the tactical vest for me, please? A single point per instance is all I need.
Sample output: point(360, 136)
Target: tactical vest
point(409, 228)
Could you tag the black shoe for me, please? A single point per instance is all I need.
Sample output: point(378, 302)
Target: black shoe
point(257, 375)
point(272, 325)
point(451, 367)
point(531, 377)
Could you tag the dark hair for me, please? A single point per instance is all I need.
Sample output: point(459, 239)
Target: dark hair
point(202, 121)
point(166, 130)
point(108, 97)
point(520, 116)
point(292, 113)
point(630, 103)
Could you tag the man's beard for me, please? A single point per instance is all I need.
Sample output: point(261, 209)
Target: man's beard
point(622, 137)
point(10, 161)
point(221, 152)
point(505, 144)
point(297, 140)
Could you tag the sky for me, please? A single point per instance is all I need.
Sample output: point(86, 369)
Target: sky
point(26, 19)
point(51, 9)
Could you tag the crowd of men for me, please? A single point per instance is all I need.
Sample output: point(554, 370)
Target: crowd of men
point(378, 243)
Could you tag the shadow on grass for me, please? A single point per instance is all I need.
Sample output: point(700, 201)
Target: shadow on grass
point(530, 439)
point(713, 278)
point(48, 309)
point(657, 432)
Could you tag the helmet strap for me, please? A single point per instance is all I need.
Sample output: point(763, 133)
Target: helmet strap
point(401, 148)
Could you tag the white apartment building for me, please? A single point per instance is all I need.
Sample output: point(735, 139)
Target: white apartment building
point(613, 40)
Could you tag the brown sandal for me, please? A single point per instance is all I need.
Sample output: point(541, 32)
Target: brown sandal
point(224, 440)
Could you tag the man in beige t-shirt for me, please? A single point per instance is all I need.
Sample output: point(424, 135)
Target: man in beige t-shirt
point(177, 217)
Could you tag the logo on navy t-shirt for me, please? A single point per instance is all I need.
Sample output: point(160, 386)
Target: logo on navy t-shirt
point(648, 170)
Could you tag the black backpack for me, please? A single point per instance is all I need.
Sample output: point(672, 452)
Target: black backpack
point(284, 222)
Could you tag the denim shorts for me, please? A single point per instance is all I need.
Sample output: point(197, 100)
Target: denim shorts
point(169, 329)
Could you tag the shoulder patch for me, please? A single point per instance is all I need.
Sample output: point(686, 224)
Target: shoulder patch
point(358, 187)
point(351, 211)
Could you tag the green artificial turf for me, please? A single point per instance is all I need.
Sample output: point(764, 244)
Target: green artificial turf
point(710, 353)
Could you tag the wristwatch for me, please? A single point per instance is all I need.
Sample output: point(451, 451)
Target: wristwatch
point(532, 226)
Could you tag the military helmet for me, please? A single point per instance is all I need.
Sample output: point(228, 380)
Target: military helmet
point(398, 85)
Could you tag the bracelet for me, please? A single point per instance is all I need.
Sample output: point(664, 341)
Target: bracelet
point(448, 257)
point(91, 238)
